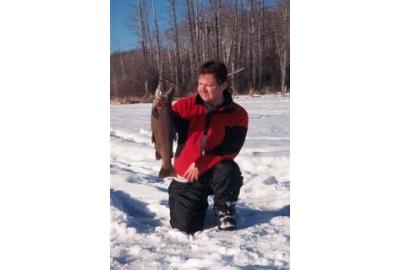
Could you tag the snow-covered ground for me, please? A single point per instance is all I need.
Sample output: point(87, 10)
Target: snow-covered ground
point(141, 237)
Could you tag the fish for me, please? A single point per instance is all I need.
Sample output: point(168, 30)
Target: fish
point(162, 128)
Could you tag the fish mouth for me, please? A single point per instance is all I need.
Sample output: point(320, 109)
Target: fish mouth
point(164, 88)
point(164, 94)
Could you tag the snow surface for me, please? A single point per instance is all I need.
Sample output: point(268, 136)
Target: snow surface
point(141, 237)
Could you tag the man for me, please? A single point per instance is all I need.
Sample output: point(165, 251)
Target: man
point(211, 130)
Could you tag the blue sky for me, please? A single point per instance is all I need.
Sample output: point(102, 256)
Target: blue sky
point(121, 37)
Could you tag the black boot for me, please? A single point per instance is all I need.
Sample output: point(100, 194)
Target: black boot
point(226, 180)
point(226, 217)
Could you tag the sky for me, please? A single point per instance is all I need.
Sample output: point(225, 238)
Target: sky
point(122, 36)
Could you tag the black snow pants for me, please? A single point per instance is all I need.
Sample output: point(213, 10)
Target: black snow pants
point(188, 201)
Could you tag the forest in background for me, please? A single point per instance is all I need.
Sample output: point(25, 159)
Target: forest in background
point(244, 34)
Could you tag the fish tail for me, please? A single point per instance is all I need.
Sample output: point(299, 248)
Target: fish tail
point(167, 172)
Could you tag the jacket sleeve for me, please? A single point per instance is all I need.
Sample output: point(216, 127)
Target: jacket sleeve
point(229, 148)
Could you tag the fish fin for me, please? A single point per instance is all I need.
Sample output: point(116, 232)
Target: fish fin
point(158, 156)
point(167, 172)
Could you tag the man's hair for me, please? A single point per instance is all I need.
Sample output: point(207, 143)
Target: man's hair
point(218, 69)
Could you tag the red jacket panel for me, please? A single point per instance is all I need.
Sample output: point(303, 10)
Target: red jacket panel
point(207, 137)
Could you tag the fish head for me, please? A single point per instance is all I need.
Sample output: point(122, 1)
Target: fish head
point(165, 90)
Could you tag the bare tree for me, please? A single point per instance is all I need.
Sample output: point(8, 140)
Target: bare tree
point(142, 25)
point(189, 13)
point(216, 4)
point(281, 26)
point(159, 58)
point(249, 34)
point(178, 74)
point(252, 44)
point(260, 42)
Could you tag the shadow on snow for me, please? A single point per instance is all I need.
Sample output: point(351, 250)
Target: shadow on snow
point(247, 217)
point(250, 217)
point(139, 216)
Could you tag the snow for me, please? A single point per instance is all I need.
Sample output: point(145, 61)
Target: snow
point(141, 237)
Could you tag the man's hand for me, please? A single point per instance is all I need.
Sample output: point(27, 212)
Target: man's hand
point(192, 173)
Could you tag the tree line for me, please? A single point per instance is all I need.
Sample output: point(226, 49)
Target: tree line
point(247, 35)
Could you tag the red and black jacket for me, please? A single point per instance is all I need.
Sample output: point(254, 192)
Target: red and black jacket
point(207, 137)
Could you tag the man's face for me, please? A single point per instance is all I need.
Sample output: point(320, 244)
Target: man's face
point(209, 90)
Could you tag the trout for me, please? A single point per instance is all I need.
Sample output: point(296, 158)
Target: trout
point(162, 128)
